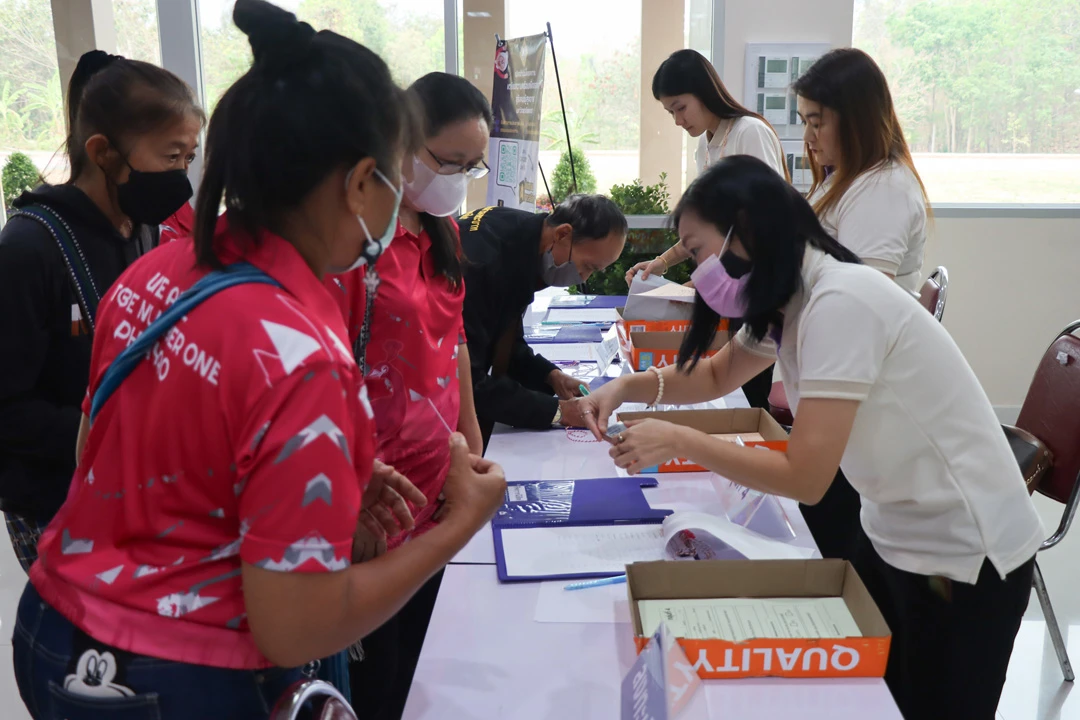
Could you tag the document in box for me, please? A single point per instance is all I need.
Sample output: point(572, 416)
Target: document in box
point(739, 619)
point(559, 551)
point(658, 299)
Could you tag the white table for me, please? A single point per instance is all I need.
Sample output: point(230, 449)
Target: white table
point(486, 657)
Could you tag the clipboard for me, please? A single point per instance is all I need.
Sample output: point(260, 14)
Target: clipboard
point(571, 503)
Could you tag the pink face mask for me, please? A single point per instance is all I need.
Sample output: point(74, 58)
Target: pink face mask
point(720, 291)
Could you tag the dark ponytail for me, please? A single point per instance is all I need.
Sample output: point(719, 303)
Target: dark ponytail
point(121, 99)
point(310, 104)
point(446, 100)
point(774, 223)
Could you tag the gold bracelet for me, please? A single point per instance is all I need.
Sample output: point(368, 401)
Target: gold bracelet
point(666, 265)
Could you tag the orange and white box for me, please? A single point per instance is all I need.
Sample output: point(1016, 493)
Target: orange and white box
point(865, 655)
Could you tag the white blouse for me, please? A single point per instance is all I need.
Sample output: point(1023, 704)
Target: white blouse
point(741, 136)
point(882, 219)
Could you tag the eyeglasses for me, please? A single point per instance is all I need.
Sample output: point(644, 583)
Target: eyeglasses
point(473, 172)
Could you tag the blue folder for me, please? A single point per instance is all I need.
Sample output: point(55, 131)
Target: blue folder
point(567, 334)
point(588, 301)
point(568, 503)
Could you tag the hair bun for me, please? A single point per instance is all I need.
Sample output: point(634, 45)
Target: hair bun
point(94, 62)
point(277, 38)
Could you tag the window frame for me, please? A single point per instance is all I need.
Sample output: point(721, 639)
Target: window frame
point(181, 52)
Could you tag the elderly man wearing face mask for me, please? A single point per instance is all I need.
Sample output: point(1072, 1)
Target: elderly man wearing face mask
point(510, 255)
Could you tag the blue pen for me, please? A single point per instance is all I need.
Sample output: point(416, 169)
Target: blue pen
point(596, 583)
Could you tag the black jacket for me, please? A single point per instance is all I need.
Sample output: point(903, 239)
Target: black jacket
point(44, 355)
point(502, 274)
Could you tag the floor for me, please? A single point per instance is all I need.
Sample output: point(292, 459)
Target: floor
point(1033, 691)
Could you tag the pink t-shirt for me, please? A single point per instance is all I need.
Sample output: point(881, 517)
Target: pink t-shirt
point(416, 328)
point(244, 435)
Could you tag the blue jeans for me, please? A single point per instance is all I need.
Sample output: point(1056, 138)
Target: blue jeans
point(51, 653)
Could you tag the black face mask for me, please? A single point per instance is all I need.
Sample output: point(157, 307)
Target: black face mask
point(149, 198)
point(734, 265)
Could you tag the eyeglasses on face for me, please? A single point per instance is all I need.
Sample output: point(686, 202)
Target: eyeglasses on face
point(473, 172)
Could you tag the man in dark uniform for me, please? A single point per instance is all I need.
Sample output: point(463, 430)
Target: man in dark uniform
point(510, 254)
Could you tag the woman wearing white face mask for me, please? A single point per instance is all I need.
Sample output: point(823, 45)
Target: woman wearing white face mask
point(411, 344)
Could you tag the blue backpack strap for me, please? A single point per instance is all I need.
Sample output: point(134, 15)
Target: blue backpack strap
point(240, 273)
point(85, 287)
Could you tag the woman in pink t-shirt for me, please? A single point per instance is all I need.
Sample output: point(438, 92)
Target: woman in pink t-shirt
point(204, 554)
point(416, 360)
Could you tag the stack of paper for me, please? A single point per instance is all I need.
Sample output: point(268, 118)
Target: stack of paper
point(658, 299)
point(740, 619)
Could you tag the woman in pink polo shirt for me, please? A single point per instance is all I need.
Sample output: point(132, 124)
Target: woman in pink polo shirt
point(412, 343)
point(204, 554)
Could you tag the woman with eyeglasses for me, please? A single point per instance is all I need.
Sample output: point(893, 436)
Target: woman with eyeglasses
point(408, 335)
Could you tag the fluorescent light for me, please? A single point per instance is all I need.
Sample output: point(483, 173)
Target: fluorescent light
point(478, 14)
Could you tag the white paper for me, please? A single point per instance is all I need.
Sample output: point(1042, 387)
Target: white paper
point(739, 619)
point(672, 292)
point(657, 299)
point(567, 352)
point(602, 604)
point(748, 544)
point(581, 315)
point(547, 551)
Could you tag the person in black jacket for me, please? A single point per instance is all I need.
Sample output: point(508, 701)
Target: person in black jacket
point(134, 129)
point(510, 254)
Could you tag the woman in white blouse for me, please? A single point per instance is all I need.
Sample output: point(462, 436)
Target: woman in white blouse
point(866, 189)
point(690, 89)
point(869, 197)
point(881, 390)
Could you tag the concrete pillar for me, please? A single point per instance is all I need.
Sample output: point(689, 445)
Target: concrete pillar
point(661, 141)
point(81, 26)
point(481, 21)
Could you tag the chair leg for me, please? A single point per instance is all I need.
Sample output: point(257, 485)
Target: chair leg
point(1052, 626)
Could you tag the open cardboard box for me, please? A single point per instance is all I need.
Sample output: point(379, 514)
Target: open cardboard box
point(864, 656)
point(731, 421)
point(661, 349)
point(626, 326)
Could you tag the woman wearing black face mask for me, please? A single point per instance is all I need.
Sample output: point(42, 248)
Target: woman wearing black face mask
point(134, 130)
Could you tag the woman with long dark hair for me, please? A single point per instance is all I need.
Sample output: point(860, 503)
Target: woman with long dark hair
point(881, 389)
point(203, 559)
point(412, 347)
point(868, 195)
point(866, 189)
point(690, 89)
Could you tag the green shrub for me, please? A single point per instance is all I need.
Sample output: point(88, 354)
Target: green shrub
point(562, 180)
point(19, 175)
point(638, 199)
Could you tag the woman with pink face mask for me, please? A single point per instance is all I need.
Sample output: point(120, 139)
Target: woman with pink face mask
point(881, 389)
point(406, 330)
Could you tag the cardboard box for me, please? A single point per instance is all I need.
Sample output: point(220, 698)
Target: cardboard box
point(625, 327)
point(715, 422)
point(645, 349)
point(864, 656)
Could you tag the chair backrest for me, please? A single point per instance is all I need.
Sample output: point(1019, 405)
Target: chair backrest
point(1051, 412)
point(934, 291)
point(321, 700)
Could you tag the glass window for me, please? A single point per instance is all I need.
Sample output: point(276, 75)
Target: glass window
point(408, 34)
point(988, 92)
point(31, 101)
point(136, 24)
point(601, 82)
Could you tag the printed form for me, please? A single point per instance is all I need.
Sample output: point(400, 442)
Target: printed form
point(552, 551)
point(739, 619)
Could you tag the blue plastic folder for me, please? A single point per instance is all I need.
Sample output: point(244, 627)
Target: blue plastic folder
point(569, 503)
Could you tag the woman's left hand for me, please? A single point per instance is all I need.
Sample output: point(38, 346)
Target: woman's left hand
point(384, 507)
point(646, 443)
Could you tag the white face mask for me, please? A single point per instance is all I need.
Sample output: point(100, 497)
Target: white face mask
point(373, 247)
point(438, 195)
